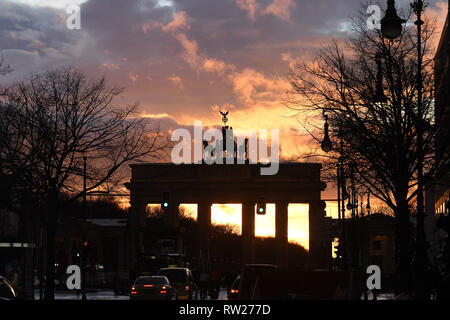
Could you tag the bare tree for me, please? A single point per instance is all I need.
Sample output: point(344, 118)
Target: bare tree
point(376, 138)
point(56, 120)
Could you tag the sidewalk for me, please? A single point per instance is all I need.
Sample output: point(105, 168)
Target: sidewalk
point(99, 295)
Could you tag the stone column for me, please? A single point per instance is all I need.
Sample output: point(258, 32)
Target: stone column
point(204, 223)
point(319, 251)
point(171, 215)
point(281, 233)
point(248, 232)
point(136, 222)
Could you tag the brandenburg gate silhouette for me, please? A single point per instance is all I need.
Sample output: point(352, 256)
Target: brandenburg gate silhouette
point(232, 183)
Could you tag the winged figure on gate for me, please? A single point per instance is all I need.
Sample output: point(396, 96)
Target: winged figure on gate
point(224, 117)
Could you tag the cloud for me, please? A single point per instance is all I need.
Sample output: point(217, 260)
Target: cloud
point(133, 76)
point(214, 65)
point(251, 6)
point(232, 54)
point(58, 4)
point(110, 66)
point(151, 26)
point(180, 21)
point(176, 80)
point(251, 85)
point(191, 54)
point(280, 8)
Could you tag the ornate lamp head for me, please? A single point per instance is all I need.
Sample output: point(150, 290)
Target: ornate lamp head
point(391, 24)
point(326, 144)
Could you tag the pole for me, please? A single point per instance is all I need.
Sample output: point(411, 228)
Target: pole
point(353, 235)
point(339, 190)
point(420, 260)
point(83, 237)
point(343, 188)
point(339, 264)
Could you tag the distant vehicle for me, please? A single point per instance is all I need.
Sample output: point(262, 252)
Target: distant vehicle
point(151, 288)
point(182, 281)
point(250, 281)
point(6, 290)
point(267, 282)
point(233, 293)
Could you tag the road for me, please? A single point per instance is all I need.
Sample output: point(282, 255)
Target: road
point(109, 295)
point(104, 295)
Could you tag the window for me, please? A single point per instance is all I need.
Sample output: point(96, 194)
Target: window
point(151, 280)
point(174, 275)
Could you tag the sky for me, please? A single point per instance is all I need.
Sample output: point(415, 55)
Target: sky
point(184, 60)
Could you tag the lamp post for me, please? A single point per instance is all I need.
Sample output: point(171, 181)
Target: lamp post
point(327, 146)
point(83, 237)
point(391, 28)
point(352, 205)
point(368, 208)
point(380, 97)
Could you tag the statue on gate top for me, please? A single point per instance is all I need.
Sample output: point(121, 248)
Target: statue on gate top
point(224, 117)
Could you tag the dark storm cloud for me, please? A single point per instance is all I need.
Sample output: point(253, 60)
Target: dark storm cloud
point(32, 38)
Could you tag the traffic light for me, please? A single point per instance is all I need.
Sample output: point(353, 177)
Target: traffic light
point(86, 246)
point(75, 254)
point(339, 251)
point(261, 206)
point(165, 200)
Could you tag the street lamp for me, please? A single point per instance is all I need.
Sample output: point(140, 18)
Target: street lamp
point(83, 237)
point(391, 29)
point(327, 146)
point(391, 24)
point(380, 97)
point(368, 208)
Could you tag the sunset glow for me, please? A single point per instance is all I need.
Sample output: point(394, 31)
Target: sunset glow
point(230, 214)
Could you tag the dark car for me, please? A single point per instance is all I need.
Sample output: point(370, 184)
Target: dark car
point(6, 290)
point(182, 281)
point(233, 293)
point(250, 282)
point(151, 288)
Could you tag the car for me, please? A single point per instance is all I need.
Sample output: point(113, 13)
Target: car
point(6, 290)
point(250, 281)
point(182, 281)
point(151, 288)
point(233, 293)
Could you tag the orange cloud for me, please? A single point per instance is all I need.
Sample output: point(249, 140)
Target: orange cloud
point(281, 9)
point(133, 76)
point(177, 81)
point(180, 21)
point(110, 66)
point(251, 85)
point(214, 65)
point(250, 6)
point(191, 55)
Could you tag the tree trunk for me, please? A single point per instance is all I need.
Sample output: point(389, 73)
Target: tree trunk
point(50, 272)
point(403, 248)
